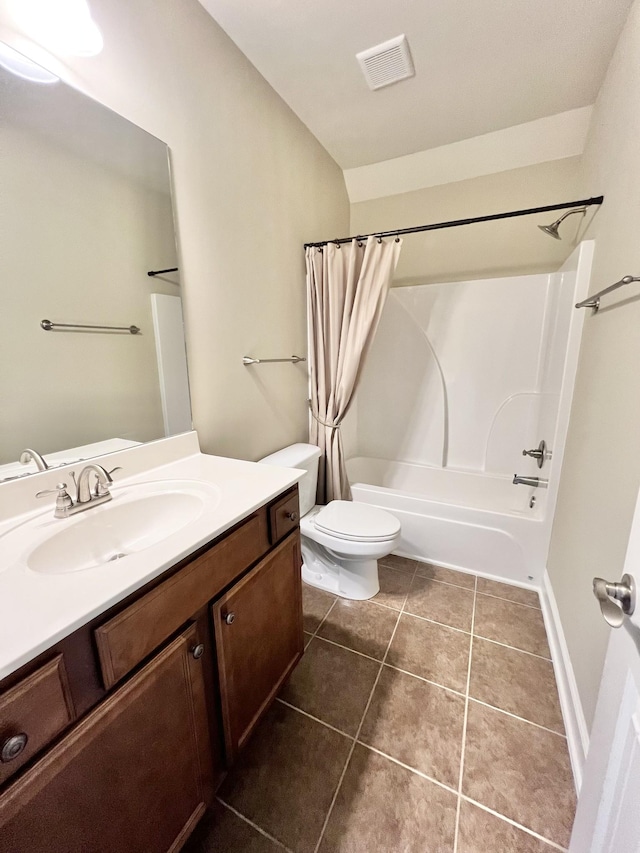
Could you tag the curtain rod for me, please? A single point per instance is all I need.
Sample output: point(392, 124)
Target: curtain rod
point(453, 223)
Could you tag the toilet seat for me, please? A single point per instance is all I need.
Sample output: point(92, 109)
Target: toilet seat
point(356, 522)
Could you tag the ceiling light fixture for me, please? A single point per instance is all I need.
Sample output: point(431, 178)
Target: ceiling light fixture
point(19, 65)
point(62, 26)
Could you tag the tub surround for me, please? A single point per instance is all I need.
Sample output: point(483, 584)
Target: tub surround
point(42, 609)
point(450, 483)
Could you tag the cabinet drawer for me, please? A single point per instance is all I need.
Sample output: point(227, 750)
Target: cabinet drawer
point(37, 708)
point(124, 641)
point(284, 516)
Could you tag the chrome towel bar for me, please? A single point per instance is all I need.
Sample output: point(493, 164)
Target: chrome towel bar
point(47, 325)
point(594, 301)
point(294, 360)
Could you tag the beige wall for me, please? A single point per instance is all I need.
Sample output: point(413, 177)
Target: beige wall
point(251, 185)
point(486, 250)
point(76, 239)
point(601, 468)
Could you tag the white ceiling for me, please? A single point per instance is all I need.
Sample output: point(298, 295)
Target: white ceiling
point(481, 65)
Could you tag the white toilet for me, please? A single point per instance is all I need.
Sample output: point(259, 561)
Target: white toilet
point(341, 542)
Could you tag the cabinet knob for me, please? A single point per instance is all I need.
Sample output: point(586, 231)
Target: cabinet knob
point(292, 516)
point(12, 747)
point(230, 618)
point(198, 651)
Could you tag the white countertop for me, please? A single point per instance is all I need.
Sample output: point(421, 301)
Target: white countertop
point(38, 609)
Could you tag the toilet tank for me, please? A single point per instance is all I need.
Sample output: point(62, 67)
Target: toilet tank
point(303, 456)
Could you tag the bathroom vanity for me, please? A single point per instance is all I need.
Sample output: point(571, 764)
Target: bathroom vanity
point(115, 736)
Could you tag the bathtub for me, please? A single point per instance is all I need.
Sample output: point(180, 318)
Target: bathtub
point(464, 520)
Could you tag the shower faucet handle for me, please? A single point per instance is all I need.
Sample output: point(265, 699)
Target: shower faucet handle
point(539, 453)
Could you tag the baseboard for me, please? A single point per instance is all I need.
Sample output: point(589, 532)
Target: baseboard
point(572, 712)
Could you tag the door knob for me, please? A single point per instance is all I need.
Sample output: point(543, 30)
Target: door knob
point(616, 600)
point(230, 618)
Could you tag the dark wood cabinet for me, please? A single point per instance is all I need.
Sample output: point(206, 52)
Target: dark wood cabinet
point(133, 776)
point(170, 684)
point(259, 639)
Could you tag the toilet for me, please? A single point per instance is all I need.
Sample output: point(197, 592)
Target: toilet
point(341, 542)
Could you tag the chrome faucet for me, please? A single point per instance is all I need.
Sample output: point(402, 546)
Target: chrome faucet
point(85, 496)
point(30, 455)
point(101, 489)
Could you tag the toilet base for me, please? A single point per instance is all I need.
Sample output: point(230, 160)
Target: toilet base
point(349, 578)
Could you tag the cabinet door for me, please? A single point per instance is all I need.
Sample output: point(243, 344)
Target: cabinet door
point(259, 639)
point(134, 776)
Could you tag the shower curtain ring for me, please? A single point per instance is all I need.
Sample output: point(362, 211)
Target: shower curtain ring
point(379, 239)
point(397, 238)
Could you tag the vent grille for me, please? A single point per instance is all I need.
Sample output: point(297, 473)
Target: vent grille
point(386, 63)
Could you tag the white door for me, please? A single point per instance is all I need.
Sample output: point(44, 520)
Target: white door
point(607, 819)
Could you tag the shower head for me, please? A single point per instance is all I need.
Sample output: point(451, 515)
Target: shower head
point(552, 230)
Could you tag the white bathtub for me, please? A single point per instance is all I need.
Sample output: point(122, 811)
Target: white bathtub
point(459, 519)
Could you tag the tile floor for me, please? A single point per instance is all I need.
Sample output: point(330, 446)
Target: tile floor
point(424, 720)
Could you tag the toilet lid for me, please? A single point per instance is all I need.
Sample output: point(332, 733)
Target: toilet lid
point(357, 521)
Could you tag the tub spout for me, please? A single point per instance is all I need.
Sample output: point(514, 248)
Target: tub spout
point(534, 482)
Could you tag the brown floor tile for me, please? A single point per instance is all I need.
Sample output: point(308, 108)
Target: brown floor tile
point(481, 832)
point(360, 625)
point(285, 778)
point(510, 592)
point(417, 723)
point(221, 831)
point(394, 587)
point(442, 602)
point(400, 564)
point(385, 808)
point(516, 682)
point(439, 573)
point(332, 684)
point(315, 606)
point(432, 651)
point(512, 624)
point(520, 771)
point(307, 639)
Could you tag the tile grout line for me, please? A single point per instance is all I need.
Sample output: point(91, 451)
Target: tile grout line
point(464, 723)
point(510, 600)
point(516, 717)
point(355, 739)
point(515, 648)
point(349, 649)
point(322, 621)
point(512, 822)
point(254, 825)
point(315, 719)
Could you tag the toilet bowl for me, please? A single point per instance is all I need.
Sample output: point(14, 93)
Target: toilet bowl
point(342, 541)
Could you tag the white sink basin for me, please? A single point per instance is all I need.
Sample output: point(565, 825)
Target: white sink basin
point(139, 517)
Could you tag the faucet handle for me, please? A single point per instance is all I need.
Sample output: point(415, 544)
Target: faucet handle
point(102, 489)
point(63, 500)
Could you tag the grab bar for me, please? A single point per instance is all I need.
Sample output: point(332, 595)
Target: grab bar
point(47, 325)
point(294, 360)
point(534, 482)
point(594, 301)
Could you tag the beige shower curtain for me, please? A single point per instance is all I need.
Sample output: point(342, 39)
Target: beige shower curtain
point(346, 290)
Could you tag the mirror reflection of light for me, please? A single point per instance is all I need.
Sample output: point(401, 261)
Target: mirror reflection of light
point(62, 26)
point(23, 67)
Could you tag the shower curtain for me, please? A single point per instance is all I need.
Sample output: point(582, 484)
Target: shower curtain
point(346, 290)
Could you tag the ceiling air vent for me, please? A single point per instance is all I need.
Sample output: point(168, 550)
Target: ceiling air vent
point(386, 63)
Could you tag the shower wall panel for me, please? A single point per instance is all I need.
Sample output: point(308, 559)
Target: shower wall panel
point(455, 375)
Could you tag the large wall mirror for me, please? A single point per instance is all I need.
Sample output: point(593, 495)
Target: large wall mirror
point(85, 213)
